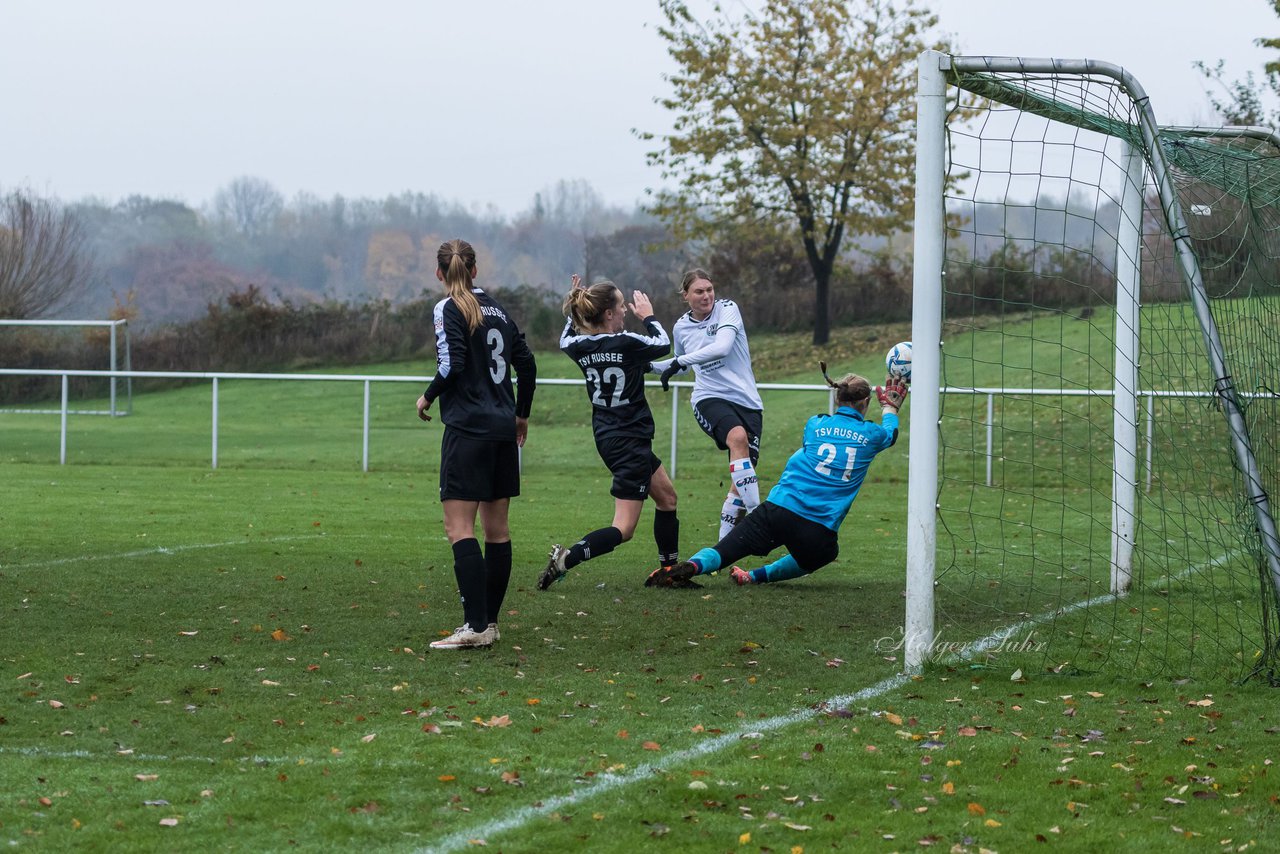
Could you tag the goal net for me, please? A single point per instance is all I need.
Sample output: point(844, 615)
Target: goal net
point(72, 345)
point(1097, 303)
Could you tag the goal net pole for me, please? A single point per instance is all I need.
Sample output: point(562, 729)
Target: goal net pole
point(926, 358)
point(934, 70)
point(1124, 477)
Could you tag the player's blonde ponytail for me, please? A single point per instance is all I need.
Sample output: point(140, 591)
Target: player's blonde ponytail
point(456, 260)
point(587, 305)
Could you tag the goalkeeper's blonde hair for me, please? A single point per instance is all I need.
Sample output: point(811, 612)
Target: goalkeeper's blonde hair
point(851, 389)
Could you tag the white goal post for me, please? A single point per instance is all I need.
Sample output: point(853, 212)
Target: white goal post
point(119, 338)
point(930, 226)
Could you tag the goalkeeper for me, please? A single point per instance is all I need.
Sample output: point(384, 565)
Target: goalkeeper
point(804, 510)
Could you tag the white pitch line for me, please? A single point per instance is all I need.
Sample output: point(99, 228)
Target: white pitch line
point(158, 550)
point(158, 758)
point(608, 782)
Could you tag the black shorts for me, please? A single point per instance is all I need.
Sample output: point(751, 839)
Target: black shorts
point(477, 469)
point(632, 463)
point(770, 526)
point(717, 417)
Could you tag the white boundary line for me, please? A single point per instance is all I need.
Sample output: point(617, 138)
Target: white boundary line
point(609, 782)
point(158, 550)
point(158, 758)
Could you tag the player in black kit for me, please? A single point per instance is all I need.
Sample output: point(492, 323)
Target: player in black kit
point(614, 363)
point(477, 345)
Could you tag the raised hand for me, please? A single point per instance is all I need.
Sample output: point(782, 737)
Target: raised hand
point(640, 305)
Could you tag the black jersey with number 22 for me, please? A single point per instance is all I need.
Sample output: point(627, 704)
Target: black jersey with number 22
point(614, 365)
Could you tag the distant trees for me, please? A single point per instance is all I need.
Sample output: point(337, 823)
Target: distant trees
point(43, 262)
point(250, 205)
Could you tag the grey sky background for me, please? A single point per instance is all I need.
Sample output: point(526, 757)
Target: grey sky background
point(483, 102)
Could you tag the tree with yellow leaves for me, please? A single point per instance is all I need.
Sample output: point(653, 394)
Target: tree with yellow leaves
point(801, 114)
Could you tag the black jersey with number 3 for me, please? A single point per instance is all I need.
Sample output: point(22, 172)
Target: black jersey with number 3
point(473, 371)
point(614, 364)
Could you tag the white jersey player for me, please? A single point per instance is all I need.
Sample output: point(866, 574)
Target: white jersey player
point(711, 339)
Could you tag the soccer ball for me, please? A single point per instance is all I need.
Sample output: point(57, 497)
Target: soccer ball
point(898, 361)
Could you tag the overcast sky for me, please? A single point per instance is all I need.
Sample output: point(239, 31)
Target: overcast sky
point(483, 102)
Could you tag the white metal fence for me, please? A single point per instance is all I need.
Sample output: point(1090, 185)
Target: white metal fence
point(420, 381)
point(990, 393)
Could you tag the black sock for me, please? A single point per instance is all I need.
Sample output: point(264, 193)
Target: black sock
point(497, 558)
point(469, 570)
point(593, 545)
point(666, 533)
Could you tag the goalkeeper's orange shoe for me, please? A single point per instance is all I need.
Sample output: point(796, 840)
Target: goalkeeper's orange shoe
point(741, 576)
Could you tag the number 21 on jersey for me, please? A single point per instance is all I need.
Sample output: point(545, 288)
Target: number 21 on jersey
point(829, 452)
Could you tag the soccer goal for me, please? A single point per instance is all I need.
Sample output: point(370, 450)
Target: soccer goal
point(93, 337)
point(1096, 331)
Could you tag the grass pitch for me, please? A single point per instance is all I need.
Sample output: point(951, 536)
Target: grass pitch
point(231, 659)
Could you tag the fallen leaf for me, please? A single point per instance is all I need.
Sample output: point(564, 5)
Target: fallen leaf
point(189, 634)
point(798, 826)
point(146, 778)
point(54, 704)
point(991, 822)
point(896, 720)
point(744, 838)
point(967, 730)
point(446, 778)
point(168, 822)
point(270, 683)
point(651, 745)
point(368, 738)
point(977, 809)
point(280, 635)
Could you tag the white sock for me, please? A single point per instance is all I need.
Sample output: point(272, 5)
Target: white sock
point(746, 482)
point(729, 513)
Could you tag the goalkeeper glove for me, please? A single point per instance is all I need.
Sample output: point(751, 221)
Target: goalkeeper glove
point(893, 393)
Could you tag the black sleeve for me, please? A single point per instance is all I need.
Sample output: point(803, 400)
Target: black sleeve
point(454, 356)
point(655, 330)
point(526, 374)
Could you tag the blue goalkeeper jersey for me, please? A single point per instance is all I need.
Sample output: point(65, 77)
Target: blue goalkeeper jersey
point(823, 477)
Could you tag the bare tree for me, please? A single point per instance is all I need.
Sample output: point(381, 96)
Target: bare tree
point(249, 204)
point(43, 259)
